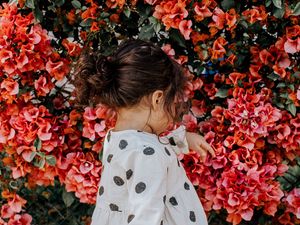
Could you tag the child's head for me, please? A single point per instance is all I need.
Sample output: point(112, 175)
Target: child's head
point(138, 75)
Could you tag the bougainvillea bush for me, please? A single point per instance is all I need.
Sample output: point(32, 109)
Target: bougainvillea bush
point(242, 58)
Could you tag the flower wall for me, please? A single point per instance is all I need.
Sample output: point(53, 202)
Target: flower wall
point(242, 58)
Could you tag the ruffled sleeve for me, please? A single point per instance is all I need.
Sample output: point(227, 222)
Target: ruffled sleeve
point(178, 141)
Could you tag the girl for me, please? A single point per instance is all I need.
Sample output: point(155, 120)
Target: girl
point(142, 182)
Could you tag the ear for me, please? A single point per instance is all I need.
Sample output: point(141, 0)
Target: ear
point(157, 99)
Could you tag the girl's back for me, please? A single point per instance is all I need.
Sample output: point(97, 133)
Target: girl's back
point(142, 182)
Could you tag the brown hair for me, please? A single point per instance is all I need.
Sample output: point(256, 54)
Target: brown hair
point(136, 69)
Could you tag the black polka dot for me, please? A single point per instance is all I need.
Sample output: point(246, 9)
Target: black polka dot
point(186, 186)
point(128, 174)
point(118, 180)
point(109, 157)
point(172, 141)
point(148, 151)
point(140, 187)
point(167, 151)
point(108, 136)
point(113, 207)
point(123, 144)
point(192, 216)
point(130, 217)
point(101, 190)
point(178, 163)
point(173, 201)
point(164, 199)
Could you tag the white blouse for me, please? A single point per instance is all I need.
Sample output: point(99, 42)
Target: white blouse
point(144, 183)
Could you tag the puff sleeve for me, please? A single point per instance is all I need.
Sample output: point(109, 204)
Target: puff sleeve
point(146, 173)
point(178, 141)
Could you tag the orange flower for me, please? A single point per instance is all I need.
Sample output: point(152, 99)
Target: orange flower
point(279, 70)
point(197, 37)
point(11, 86)
point(218, 19)
point(218, 50)
point(256, 13)
point(71, 17)
point(57, 69)
point(231, 18)
point(94, 27)
point(171, 13)
point(292, 44)
point(114, 18)
point(114, 3)
point(266, 57)
point(90, 13)
point(202, 11)
point(73, 48)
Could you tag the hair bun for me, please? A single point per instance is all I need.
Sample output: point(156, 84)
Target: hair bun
point(104, 70)
point(103, 65)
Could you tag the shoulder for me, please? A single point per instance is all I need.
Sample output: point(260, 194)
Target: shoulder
point(143, 147)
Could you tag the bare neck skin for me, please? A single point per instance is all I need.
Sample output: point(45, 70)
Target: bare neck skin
point(133, 119)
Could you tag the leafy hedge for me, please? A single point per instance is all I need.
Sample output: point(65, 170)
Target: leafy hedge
point(242, 58)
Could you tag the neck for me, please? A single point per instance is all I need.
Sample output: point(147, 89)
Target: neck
point(136, 121)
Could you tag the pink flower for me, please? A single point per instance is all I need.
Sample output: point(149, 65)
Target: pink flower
point(6, 211)
point(202, 11)
point(16, 203)
point(23, 219)
point(167, 48)
point(293, 200)
point(185, 28)
point(11, 86)
point(43, 86)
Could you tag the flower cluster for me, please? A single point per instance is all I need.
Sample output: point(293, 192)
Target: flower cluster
point(242, 64)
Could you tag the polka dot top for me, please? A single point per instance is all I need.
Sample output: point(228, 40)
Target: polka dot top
point(144, 183)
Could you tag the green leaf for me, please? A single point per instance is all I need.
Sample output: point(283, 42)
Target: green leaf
point(40, 163)
point(292, 87)
point(32, 155)
point(37, 144)
point(157, 27)
point(278, 13)
point(273, 76)
point(38, 14)
point(284, 95)
point(244, 23)
point(104, 15)
point(146, 32)
point(268, 3)
point(177, 37)
point(296, 10)
point(127, 12)
point(86, 23)
point(227, 4)
point(156, 23)
point(280, 105)
point(30, 4)
point(292, 109)
point(41, 154)
point(281, 85)
point(68, 198)
point(59, 2)
point(51, 160)
point(222, 93)
point(277, 3)
point(296, 74)
point(76, 4)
